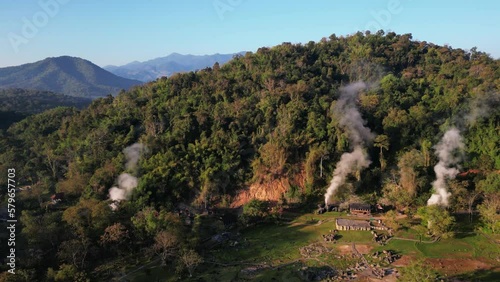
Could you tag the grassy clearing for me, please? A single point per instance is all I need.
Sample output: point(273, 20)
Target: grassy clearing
point(276, 249)
point(213, 273)
point(401, 247)
point(286, 273)
point(281, 243)
point(473, 246)
point(446, 248)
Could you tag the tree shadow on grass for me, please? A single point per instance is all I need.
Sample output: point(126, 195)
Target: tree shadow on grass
point(482, 275)
point(462, 235)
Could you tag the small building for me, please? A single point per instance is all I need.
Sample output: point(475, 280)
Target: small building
point(360, 209)
point(348, 224)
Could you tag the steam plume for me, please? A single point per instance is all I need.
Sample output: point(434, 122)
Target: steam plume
point(127, 182)
point(133, 153)
point(350, 119)
point(446, 150)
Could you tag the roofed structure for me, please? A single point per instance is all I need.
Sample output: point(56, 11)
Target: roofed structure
point(348, 224)
point(360, 209)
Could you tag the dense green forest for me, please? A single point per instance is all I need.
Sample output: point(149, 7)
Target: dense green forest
point(208, 135)
point(35, 101)
point(18, 103)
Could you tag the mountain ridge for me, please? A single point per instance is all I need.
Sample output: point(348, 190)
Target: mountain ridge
point(166, 66)
point(67, 75)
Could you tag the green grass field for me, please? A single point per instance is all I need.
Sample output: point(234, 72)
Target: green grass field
point(275, 249)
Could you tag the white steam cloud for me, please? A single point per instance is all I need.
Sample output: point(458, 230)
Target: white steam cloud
point(133, 153)
point(481, 107)
point(126, 183)
point(350, 119)
point(449, 151)
point(451, 147)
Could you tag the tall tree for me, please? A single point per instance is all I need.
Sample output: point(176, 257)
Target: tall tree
point(166, 245)
point(382, 142)
point(438, 221)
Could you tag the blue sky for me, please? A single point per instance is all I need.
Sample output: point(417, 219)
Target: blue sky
point(120, 31)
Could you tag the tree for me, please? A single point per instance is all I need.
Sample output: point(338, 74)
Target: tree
point(43, 230)
point(438, 221)
point(116, 234)
point(402, 187)
point(22, 275)
point(67, 273)
point(190, 260)
point(490, 212)
point(417, 271)
point(88, 217)
point(391, 220)
point(149, 221)
point(395, 194)
point(74, 251)
point(271, 163)
point(75, 181)
point(166, 245)
point(490, 208)
point(254, 210)
point(382, 142)
point(216, 66)
point(409, 164)
point(463, 198)
point(425, 146)
point(315, 153)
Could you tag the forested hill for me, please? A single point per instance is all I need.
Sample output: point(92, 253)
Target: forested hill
point(260, 118)
point(67, 75)
point(35, 101)
point(17, 103)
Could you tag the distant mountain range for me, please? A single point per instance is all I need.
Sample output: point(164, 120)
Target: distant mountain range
point(166, 66)
point(66, 75)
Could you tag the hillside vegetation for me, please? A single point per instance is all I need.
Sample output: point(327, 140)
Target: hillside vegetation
point(16, 104)
point(262, 117)
point(35, 101)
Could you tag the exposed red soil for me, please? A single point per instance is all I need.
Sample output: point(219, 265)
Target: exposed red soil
point(453, 266)
point(404, 260)
point(268, 191)
point(450, 266)
point(347, 249)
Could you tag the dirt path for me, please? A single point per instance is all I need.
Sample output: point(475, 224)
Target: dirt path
point(412, 240)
